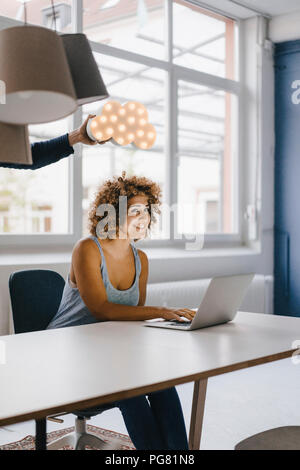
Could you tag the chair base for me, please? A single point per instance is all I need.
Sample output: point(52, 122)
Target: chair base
point(283, 438)
point(80, 438)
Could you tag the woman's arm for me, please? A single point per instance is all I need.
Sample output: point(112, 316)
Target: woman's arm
point(143, 277)
point(86, 261)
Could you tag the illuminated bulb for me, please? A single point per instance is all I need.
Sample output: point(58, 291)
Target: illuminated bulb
point(126, 124)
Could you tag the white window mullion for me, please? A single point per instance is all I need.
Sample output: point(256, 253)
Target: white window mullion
point(77, 16)
point(75, 164)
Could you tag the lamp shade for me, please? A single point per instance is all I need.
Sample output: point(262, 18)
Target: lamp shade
point(35, 70)
point(15, 146)
point(89, 85)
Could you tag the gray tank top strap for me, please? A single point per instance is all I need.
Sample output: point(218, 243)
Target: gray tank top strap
point(99, 246)
point(104, 271)
point(138, 265)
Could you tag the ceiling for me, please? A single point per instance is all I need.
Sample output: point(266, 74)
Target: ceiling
point(238, 8)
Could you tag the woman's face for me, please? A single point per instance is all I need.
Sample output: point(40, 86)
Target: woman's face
point(138, 217)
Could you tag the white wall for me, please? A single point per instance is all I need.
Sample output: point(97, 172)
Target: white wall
point(285, 27)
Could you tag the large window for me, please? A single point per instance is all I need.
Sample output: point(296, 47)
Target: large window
point(132, 25)
point(40, 12)
point(127, 81)
point(206, 159)
point(189, 84)
point(36, 202)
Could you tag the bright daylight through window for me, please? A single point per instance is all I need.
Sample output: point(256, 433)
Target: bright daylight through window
point(190, 89)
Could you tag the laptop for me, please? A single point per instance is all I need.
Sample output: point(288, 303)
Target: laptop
point(219, 304)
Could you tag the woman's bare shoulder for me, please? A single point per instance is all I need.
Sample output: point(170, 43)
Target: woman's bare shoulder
point(86, 247)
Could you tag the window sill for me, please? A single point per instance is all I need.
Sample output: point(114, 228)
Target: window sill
point(64, 256)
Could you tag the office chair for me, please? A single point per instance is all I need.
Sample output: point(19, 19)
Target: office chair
point(283, 438)
point(35, 297)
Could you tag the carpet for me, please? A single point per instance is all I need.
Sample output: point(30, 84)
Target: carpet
point(28, 442)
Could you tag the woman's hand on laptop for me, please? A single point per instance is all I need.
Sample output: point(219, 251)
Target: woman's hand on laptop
point(177, 313)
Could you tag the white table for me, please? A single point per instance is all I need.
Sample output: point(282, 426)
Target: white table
point(73, 368)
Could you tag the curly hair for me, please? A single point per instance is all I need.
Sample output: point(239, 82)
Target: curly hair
point(109, 193)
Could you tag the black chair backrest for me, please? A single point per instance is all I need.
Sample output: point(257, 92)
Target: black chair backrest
point(35, 297)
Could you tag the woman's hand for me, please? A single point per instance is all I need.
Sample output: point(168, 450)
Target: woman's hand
point(80, 135)
point(176, 313)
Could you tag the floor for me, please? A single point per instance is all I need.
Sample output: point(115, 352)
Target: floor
point(238, 405)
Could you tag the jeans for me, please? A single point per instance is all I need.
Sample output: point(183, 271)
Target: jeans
point(153, 422)
point(156, 423)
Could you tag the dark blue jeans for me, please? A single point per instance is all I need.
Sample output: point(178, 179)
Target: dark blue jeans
point(155, 423)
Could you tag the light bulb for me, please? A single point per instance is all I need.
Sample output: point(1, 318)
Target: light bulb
point(126, 124)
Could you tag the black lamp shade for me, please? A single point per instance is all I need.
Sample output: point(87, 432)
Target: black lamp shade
point(88, 83)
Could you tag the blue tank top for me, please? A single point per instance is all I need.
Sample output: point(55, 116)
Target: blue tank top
point(73, 311)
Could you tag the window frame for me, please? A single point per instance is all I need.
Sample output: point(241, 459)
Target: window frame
point(174, 73)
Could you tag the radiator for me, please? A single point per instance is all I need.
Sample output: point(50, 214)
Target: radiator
point(258, 299)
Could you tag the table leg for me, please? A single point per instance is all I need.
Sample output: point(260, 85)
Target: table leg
point(40, 434)
point(197, 414)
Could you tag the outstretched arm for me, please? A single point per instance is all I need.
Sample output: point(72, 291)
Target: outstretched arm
point(51, 151)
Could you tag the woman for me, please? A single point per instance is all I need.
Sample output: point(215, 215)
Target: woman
point(107, 281)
